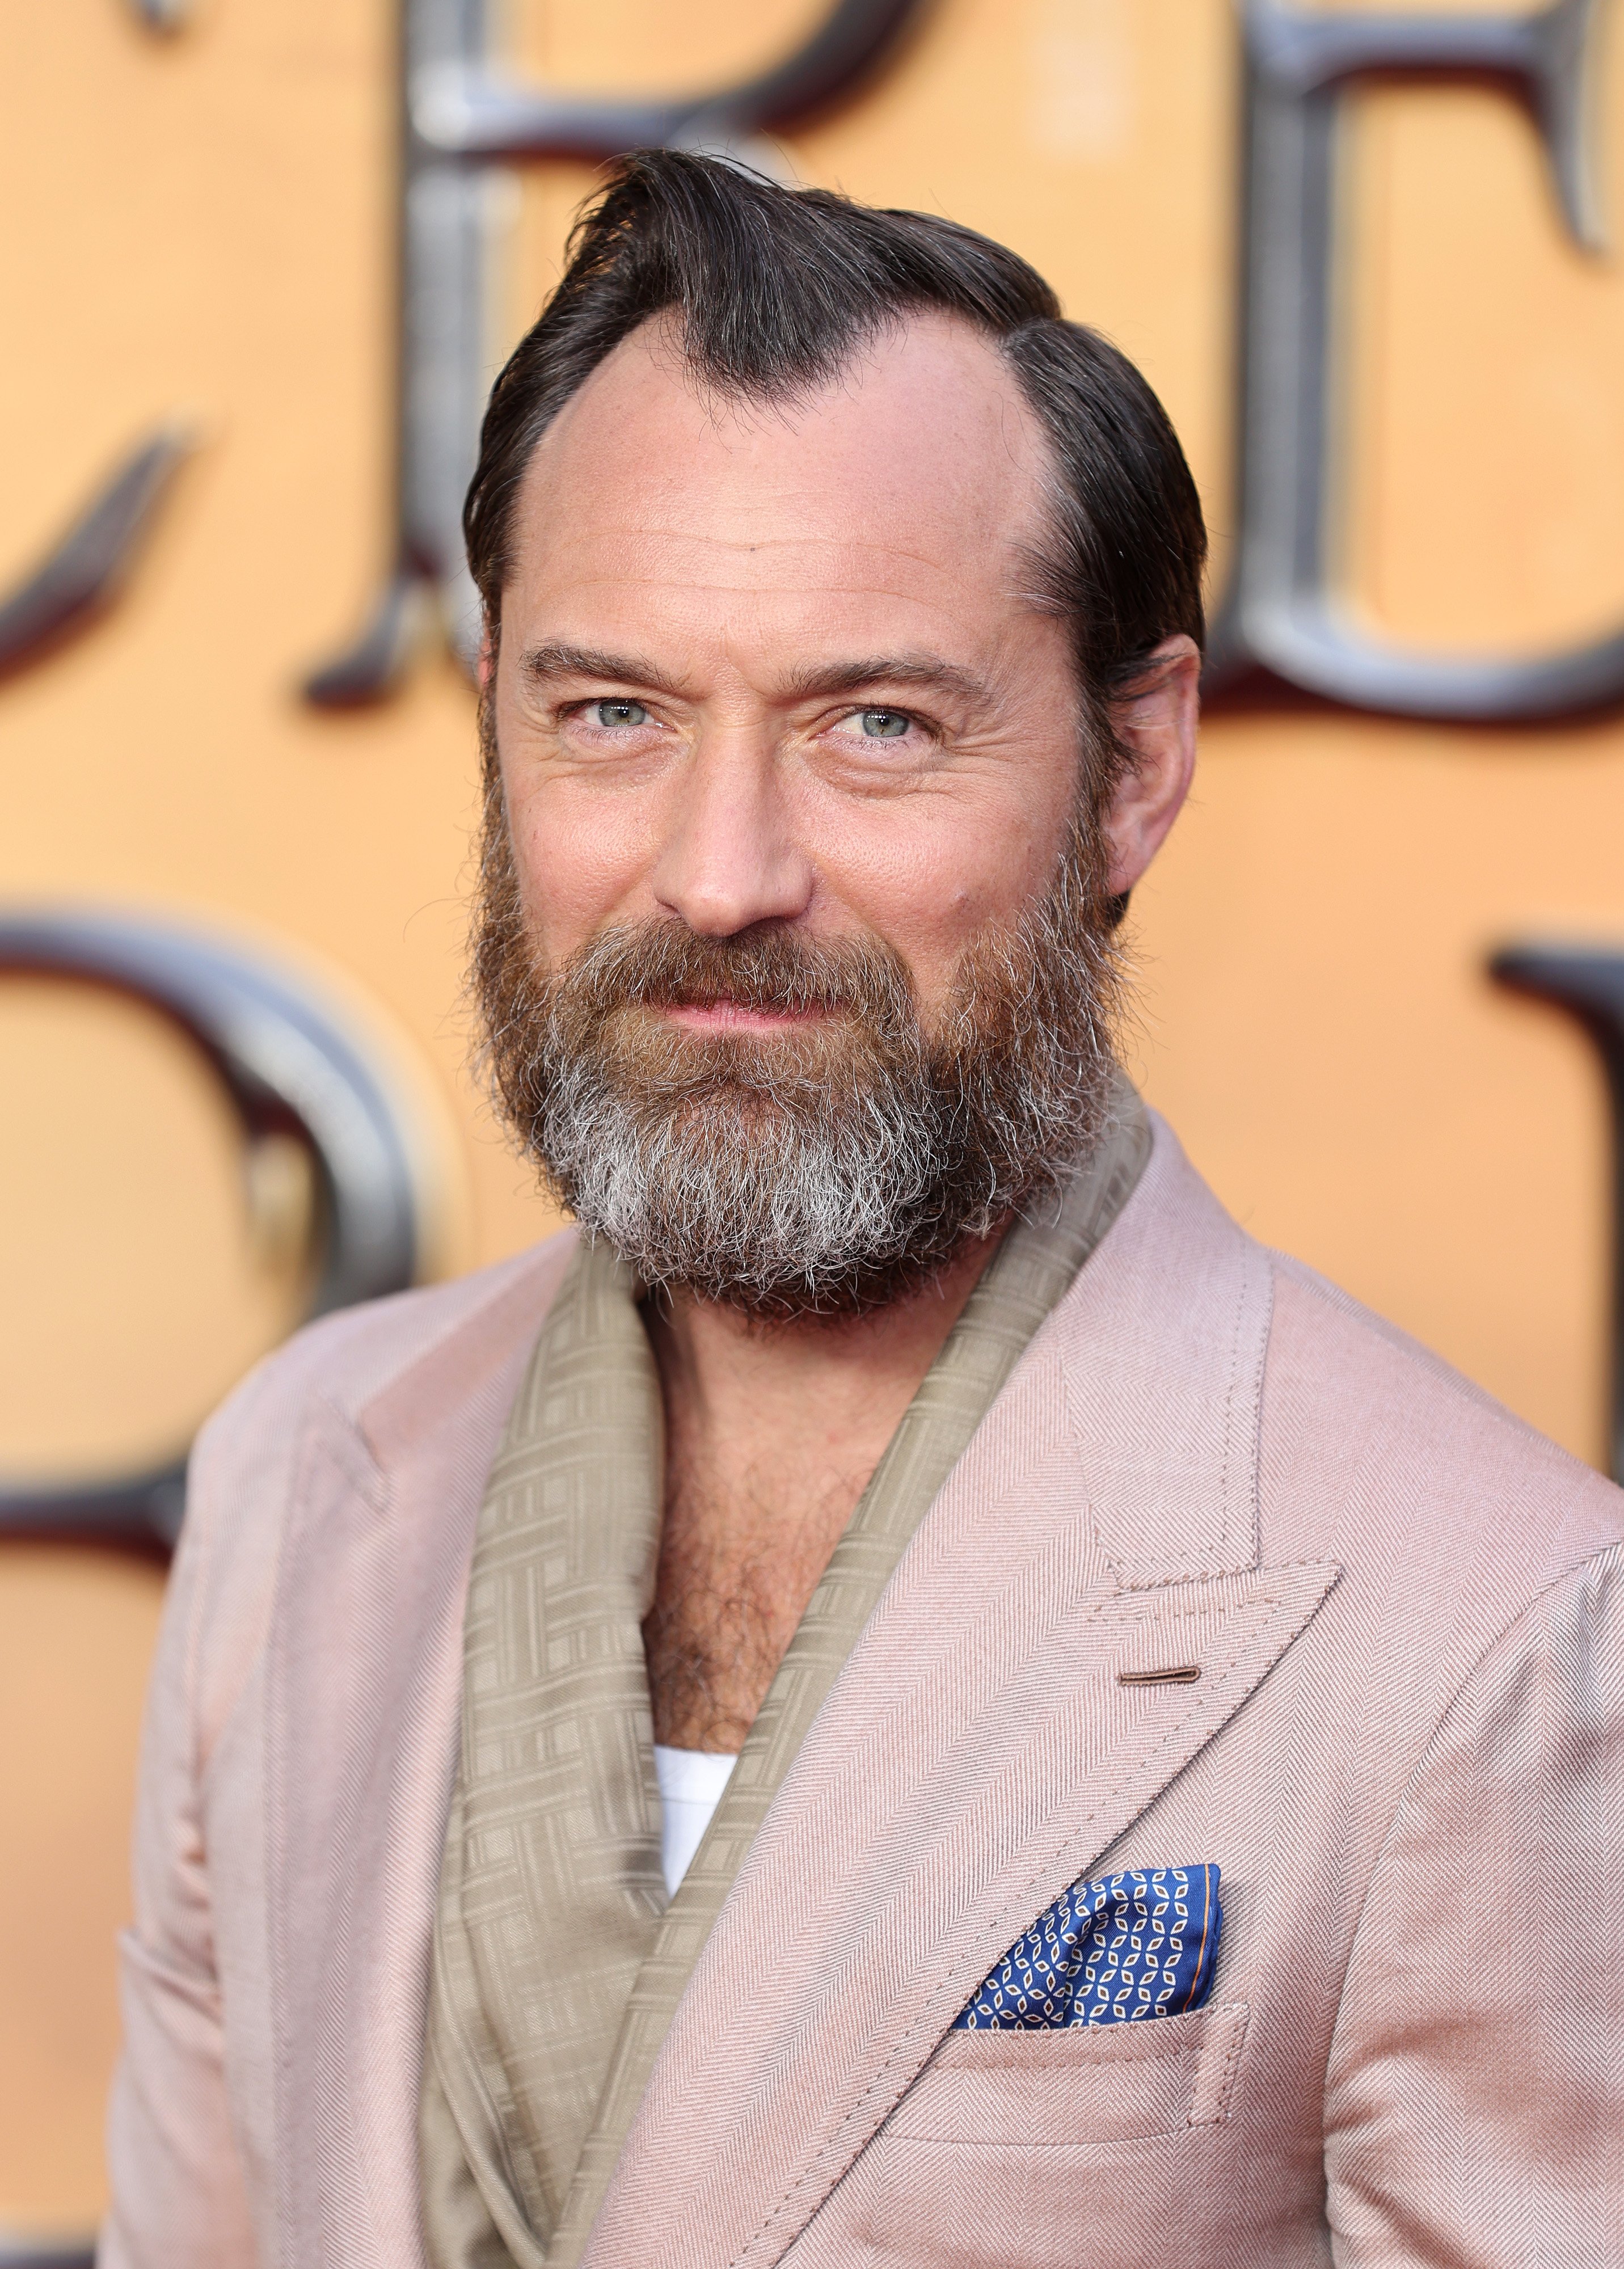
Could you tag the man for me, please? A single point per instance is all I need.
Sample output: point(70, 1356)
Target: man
point(1177, 1813)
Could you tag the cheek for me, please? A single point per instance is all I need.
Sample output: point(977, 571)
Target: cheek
point(933, 875)
point(579, 860)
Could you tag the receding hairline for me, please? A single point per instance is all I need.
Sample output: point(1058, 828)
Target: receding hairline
point(662, 339)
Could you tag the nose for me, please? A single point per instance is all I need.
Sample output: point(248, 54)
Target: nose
point(729, 858)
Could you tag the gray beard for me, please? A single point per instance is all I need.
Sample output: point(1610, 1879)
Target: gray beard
point(782, 1209)
point(787, 1181)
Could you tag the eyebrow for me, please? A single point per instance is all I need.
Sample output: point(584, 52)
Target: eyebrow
point(929, 672)
point(541, 665)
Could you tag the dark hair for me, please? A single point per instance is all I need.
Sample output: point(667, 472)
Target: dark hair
point(775, 288)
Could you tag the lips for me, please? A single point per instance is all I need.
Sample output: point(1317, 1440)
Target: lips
point(738, 1017)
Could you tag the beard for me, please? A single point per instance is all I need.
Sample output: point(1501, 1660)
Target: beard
point(822, 1170)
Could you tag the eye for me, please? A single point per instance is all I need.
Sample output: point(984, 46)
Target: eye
point(613, 714)
point(884, 724)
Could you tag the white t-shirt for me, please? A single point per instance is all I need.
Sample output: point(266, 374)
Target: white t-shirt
point(691, 1782)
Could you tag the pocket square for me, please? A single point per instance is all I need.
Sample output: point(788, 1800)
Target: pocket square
point(1140, 1944)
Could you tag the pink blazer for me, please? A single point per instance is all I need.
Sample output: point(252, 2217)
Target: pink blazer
point(1406, 1751)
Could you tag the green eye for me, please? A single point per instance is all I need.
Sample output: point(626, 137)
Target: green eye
point(884, 724)
point(609, 714)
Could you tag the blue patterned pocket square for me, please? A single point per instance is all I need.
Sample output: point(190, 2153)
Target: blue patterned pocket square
point(1140, 1944)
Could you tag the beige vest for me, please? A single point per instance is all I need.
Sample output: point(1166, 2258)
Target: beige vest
point(557, 1960)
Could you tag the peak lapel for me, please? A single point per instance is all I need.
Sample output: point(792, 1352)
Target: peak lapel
point(980, 1749)
point(1162, 1345)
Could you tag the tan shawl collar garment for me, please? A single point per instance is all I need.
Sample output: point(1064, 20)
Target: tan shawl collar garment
point(557, 1962)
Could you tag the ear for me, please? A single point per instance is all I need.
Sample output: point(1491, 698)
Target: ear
point(485, 668)
point(1156, 721)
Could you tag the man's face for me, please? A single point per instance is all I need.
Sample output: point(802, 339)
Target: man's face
point(776, 665)
point(792, 946)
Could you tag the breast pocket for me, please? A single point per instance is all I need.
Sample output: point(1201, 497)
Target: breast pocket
point(1077, 2083)
point(1038, 2150)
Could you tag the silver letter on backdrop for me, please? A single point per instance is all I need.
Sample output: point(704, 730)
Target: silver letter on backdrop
point(296, 1072)
point(1282, 613)
point(86, 567)
point(90, 562)
point(462, 116)
point(91, 559)
point(1588, 981)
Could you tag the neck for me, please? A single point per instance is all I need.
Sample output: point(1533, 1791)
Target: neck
point(773, 1432)
point(729, 1377)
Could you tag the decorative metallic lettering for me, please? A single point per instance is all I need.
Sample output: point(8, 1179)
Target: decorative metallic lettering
point(87, 566)
point(35, 2253)
point(158, 16)
point(1282, 613)
point(293, 1072)
point(1587, 982)
point(462, 118)
point(75, 583)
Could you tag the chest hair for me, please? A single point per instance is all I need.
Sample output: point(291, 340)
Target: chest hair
point(739, 1559)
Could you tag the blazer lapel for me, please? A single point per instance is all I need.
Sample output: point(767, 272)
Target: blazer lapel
point(981, 1747)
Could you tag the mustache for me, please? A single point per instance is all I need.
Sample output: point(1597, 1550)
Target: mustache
point(769, 968)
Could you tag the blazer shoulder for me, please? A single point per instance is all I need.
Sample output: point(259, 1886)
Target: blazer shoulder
point(1383, 1420)
point(1320, 1309)
point(424, 1345)
point(357, 1355)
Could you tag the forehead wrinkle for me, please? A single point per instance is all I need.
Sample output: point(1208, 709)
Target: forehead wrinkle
point(885, 563)
point(654, 532)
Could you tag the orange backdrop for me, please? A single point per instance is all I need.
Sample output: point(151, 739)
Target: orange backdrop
point(203, 224)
